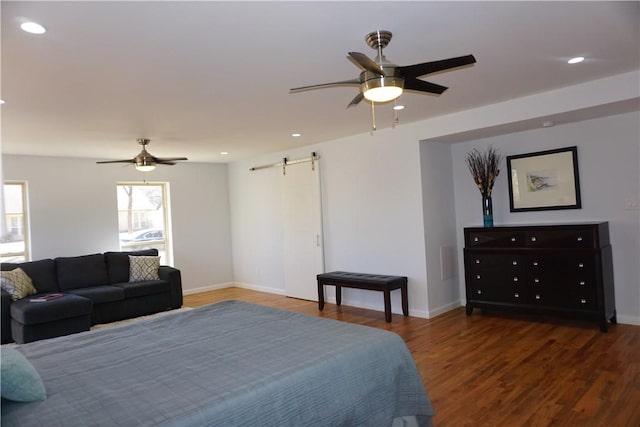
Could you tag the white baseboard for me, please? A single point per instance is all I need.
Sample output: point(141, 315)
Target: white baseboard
point(260, 288)
point(629, 320)
point(444, 308)
point(207, 288)
point(232, 285)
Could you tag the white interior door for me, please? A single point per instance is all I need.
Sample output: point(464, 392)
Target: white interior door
point(302, 220)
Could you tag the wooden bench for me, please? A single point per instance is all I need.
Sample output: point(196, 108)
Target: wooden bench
point(372, 282)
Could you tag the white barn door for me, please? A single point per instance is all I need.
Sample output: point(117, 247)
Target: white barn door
point(302, 220)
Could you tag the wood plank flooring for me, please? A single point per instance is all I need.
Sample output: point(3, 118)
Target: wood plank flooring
point(496, 369)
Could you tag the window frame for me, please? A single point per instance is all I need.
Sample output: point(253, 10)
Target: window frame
point(26, 230)
point(166, 207)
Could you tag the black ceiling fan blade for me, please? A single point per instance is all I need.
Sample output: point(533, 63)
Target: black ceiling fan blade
point(418, 70)
point(340, 83)
point(356, 100)
point(169, 159)
point(365, 62)
point(422, 86)
point(117, 161)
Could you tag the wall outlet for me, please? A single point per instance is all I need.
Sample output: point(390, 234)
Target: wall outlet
point(631, 203)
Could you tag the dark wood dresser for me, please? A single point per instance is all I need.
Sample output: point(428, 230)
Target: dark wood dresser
point(563, 268)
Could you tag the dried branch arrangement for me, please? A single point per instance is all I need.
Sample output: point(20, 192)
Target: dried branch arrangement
point(484, 168)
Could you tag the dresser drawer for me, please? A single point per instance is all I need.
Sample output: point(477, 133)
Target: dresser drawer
point(495, 239)
point(572, 238)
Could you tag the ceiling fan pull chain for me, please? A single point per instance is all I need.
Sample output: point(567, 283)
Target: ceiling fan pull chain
point(396, 117)
point(373, 117)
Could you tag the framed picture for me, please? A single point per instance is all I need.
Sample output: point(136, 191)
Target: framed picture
point(545, 180)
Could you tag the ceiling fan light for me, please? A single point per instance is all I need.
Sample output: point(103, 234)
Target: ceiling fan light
point(383, 89)
point(144, 164)
point(145, 168)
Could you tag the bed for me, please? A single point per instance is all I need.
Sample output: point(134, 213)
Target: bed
point(226, 364)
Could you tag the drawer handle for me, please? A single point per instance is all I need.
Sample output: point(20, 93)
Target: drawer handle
point(479, 292)
point(533, 238)
point(478, 276)
point(514, 262)
point(513, 239)
point(536, 280)
point(537, 296)
point(580, 265)
point(579, 239)
point(515, 279)
point(475, 239)
point(517, 295)
point(583, 301)
point(477, 261)
point(582, 283)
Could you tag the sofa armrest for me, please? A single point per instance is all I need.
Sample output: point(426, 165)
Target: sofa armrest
point(6, 317)
point(173, 276)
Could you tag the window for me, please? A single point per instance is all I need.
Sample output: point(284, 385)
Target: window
point(143, 218)
point(14, 242)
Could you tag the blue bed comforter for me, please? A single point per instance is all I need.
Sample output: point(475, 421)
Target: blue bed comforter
point(227, 364)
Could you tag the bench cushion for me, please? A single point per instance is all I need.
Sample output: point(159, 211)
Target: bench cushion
point(143, 288)
point(100, 294)
point(30, 313)
point(371, 280)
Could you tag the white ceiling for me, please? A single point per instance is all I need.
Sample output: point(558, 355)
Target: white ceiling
point(198, 78)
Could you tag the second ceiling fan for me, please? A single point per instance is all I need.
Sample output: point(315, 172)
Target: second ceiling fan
point(382, 81)
point(145, 161)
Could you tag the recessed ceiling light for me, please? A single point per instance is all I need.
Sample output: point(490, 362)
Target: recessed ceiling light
point(1, 101)
point(33, 28)
point(295, 135)
point(398, 107)
point(576, 60)
point(224, 153)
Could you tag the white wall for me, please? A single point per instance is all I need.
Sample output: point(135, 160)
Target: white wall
point(609, 167)
point(73, 211)
point(439, 227)
point(372, 215)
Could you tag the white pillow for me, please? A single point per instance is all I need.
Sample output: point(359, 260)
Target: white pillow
point(17, 283)
point(143, 268)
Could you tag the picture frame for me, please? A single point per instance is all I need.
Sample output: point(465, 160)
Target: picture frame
point(544, 180)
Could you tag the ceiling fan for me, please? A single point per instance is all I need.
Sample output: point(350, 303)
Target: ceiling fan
point(383, 81)
point(145, 161)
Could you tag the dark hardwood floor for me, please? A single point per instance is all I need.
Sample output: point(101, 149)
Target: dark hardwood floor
point(496, 369)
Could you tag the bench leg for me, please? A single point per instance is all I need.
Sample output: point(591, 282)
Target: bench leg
point(338, 295)
point(320, 296)
point(387, 305)
point(405, 300)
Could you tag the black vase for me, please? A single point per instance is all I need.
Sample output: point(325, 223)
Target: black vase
point(487, 211)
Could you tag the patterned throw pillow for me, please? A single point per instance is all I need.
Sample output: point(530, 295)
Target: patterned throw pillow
point(17, 283)
point(143, 268)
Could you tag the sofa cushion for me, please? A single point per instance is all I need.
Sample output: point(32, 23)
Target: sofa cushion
point(146, 287)
point(20, 380)
point(32, 313)
point(118, 263)
point(143, 268)
point(82, 271)
point(42, 274)
point(17, 283)
point(100, 294)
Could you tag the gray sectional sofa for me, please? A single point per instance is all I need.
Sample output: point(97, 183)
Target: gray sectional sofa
point(95, 289)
